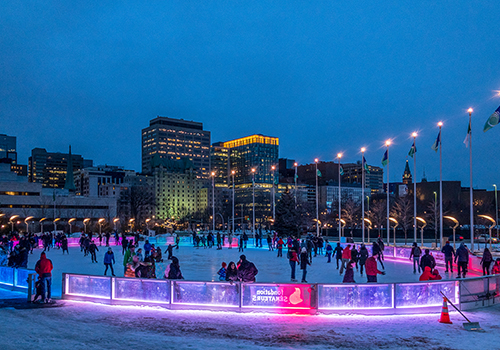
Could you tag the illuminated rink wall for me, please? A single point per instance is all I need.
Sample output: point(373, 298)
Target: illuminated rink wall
point(392, 298)
point(15, 279)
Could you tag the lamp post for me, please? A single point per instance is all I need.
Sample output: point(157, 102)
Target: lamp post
point(496, 209)
point(435, 218)
point(489, 218)
point(12, 221)
point(295, 179)
point(85, 221)
point(253, 205)
point(471, 199)
point(147, 224)
point(388, 143)
point(394, 229)
point(273, 168)
point(41, 224)
point(232, 226)
point(26, 221)
point(317, 198)
point(100, 221)
point(339, 155)
point(342, 222)
point(422, 230)
point(369, 227)
point(363, 149)
point(131, 224)
point(440, 124)
point(115, 220)
point(70, 222)
point(455, 221)
point(55, 225)
point(213, 201)
point(414, 134)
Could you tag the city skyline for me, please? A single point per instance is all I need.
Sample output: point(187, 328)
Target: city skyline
point(324, 78)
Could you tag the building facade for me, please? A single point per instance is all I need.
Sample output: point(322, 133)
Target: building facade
point(175, 139)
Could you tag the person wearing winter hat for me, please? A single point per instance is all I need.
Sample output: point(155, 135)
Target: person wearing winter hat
point(222, 272)
point(44, 269)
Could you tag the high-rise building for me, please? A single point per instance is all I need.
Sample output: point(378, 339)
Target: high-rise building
point(49, 168)
point(101, 181)
point(175, 139)
point(8, 148)
point(373, 177)
point(256, 151)
point(220, 164)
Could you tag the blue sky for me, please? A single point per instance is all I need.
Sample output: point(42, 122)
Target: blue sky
point(323, 76)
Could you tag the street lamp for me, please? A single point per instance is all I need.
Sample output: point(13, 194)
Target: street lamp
point(435, 219)
point(41, 224)
point(213, 201)
point(343, 223)
point(147, 224)
point(317, 198)
point(12, 222)
point(422, 230)
point(115, 220)
point(85, 222)
point(394, 228)
point(363, 149)
point(70, 222)
point(131, 224)
point(232, 226)
point(273, 168)
point(489, 218)
point(295, 179)
point(455, 221)
point(100, 221)
point(253, 206)
point(387, 144)
point(496, 209)
point(414, 134)
point(339, 155)
point(26, 221)
point(55, 225)
point(368, 221)
point(471, 194)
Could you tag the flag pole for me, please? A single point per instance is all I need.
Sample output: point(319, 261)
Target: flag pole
point(295, 178)
point(440, 124)
point(388, 143)
point(339, 155)
point(414, 187)
point(317, 207)
point(471, 190)
point(363, 194)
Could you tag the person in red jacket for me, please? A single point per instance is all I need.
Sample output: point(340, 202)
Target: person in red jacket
point(372, 270)
point(426, 275)
point(44, 269)
point(496, 267)
point(435, 275)
point(346, 258)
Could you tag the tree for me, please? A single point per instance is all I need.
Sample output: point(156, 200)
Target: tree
point(403, 212)
point(350, 211)
point(287, 220)
point(378, 214)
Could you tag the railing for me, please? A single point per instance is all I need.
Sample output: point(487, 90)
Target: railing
point(17, 279)
point(371, 298)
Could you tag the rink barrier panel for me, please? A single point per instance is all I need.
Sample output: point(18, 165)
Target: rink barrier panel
point(16, 279)
point(365, 298)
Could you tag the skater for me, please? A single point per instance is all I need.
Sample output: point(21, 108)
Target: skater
point(346, 257)
point(124, 244)
point(354, 256)
point(222, 272)
point(329, 251)
point(242, 243)
point(246, 270)
point(64, 244)
point(427, 260)
point(158, 257)
point(128, 257)
point(169, 251)
point(109, 260)
point(173, 271)
point(486, 261)
point(426, 275)
point(371, 270)
point(349, 273)
point(435, 275)
point(279, 245)
point(415, 254)
point(377, 252)
point(44, 269)
point(462, 256)
point(147, 248)
point(496, 267)
point(449, 253)
point(304, 261)
point(270, 242)
point(92, 249)
point(232, 272)
point(363, 256)
point(293, 260)
point(338, 254)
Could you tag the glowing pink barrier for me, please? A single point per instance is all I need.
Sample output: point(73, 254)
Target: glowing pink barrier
point(276, 296)
point(355, 296)
point(205, 294)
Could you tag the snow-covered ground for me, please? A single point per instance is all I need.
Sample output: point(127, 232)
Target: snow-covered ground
point(78, 325)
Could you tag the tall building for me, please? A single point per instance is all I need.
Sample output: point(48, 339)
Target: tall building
point(373, 177)
point(256, 151)
point(49, 168)
point(174, 139)
point(101, 181)
point(220, 164)
point(8, 148)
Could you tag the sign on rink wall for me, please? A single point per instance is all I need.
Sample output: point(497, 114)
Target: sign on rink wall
point(280, 296)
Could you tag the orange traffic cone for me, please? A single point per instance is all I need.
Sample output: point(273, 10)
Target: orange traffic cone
point(445, 316)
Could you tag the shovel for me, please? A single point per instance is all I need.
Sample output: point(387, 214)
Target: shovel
point(469, 326)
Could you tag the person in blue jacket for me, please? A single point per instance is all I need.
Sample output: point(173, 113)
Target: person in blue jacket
point(449, 253)
point(109, 260)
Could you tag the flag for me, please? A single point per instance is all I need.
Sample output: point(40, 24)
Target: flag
point(296, 177)
point(437, 143)
point(365, 165)
point(467, 137)
point(341, 170)
point(413, 150)
point(318, 173)
point(54, 195)
point(276, 180)
point(492, 120)
point(385, 159)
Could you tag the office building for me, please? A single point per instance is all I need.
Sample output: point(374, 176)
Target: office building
point(174, 139)
point(220, 165)
point(8, 148)
point(100, 181)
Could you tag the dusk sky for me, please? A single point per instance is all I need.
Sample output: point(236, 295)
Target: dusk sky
point(323, 76)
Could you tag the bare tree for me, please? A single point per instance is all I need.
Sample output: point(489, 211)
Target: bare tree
point(378, 214)
point(350, 211)
point(403, 212)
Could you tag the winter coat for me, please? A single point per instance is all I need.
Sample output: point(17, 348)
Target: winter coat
point(304, 261)
point(346, 254)
point(462, 254)
point(448, 251)
point(247, 271)
point(127, 258)
point(222, 274)
point(496, 269)
point(44, 266)
point(415, 252)
point(427, 260)
point(329, 248)
point(487, 258)
point(174, 272)
point(363, 255)
point(426, 275)
point(109, 258)
point(354, 254)
point(349, 276)
point(293, 256)
point(231, 274)
point(435, 276)
point(371, 267)
point(376, 249)
point(338, 251)
point(147, 247)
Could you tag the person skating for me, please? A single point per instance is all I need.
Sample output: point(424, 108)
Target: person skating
point(246, 270)
point(346, 258)
point(426, 275)
point(174, 270)
point(92, 250)
point(232, 272)
point(293, 260)
point(496, 267)
point(329, 251)
point(222, 272)
point(147, 248)
point(349, 273)
point(44, 269)
point(304, 261)
point(109, 260)
point(415, 255)
point(169, 251)
point(354, 257)
point(449, 253)
point(462, 260)
point(427, 260)
point(377, 252)
point(435, 275)
point(279, 245)
point(64, 244)
point(486, 261)
point(242, 243)
point(128, 257)
point(124, 244)
point(362, 256)
point(371, 270)
point(338, 254)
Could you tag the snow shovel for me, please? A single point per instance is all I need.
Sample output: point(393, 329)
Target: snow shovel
point(469, 326)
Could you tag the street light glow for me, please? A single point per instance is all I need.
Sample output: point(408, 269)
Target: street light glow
point(213, 173)
point(315, 160)
point(414, 134)
point(470, 110)
point(295, 164)
point(339, 155)
point(253, 170)
point(233, 172)
point(440, 124)
point(388, 143)
point(273, 167)
point(363, 149)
